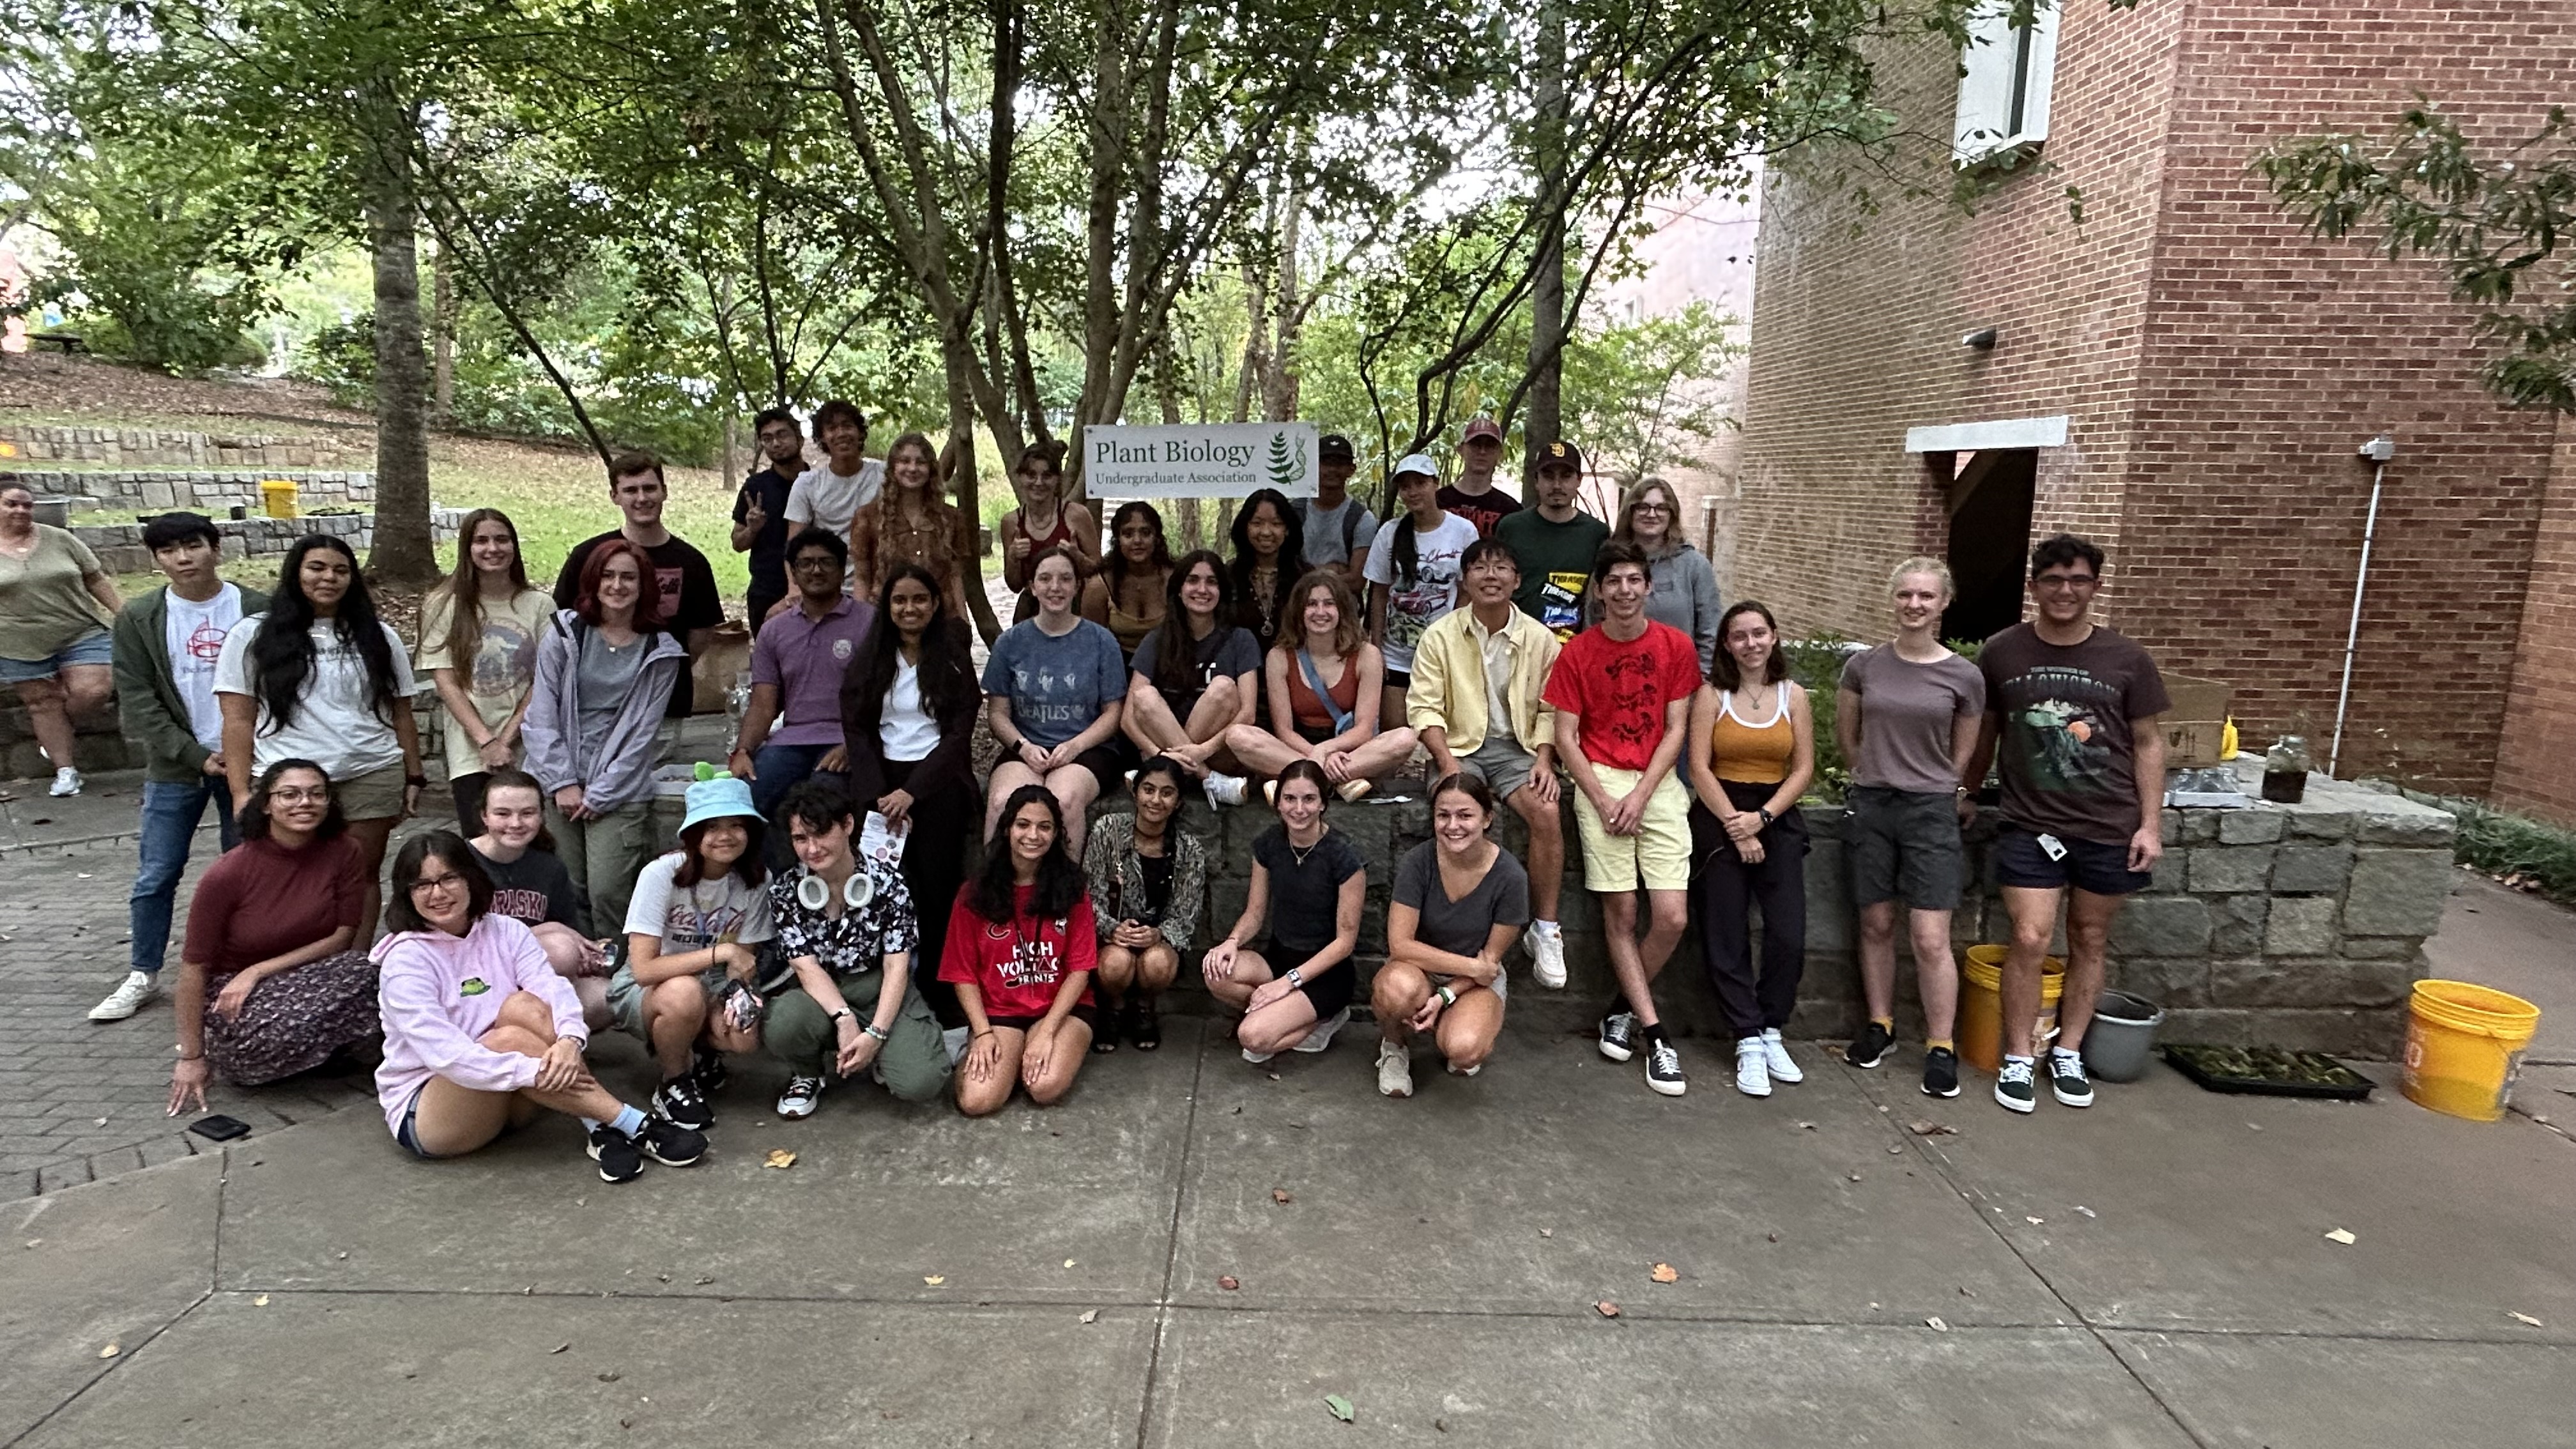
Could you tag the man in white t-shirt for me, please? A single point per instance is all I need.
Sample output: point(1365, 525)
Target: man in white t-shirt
point(829, 496)
point(1338, 527)
point(167, 643)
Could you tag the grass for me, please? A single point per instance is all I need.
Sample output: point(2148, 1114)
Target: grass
point(2516, 848)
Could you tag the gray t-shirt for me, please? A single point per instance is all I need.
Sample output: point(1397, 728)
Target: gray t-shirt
point(1057, 686)
point(1337, 535)
point(1460, 927)
point(607, 676)
point(1907, 711)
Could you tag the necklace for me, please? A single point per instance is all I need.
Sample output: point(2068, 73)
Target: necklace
point(1300, 855)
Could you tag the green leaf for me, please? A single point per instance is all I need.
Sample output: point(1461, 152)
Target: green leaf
point(1340, 1406)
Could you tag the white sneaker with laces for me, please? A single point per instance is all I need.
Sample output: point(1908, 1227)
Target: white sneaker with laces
point(67, 781)
point(1257, 1058)
point(1322, 1036)
point(1394, 1069)
point(127, 999)
point(1776, 1059)
point(1223, 789)
point(1545, 942)
point(1752, 1071)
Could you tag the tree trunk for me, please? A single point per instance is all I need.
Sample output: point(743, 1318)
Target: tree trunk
point(443, 303)
point(958, 355)
point(402, 554)
point(1547, 289)
point(1279, 381)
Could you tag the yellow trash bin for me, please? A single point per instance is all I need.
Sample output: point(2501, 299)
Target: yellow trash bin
point(277, 498)
point(2464, 1044)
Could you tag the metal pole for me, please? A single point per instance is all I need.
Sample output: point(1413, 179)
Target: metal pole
point(2352, 634)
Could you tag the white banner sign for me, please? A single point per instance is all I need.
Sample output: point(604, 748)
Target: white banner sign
point(1216, 460)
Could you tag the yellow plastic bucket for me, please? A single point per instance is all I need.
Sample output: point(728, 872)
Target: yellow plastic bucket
point(1981, 1005)
point(277, 498)
point(2463, 1046)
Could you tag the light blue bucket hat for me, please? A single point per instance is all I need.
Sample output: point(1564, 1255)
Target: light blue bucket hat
point(717, 798)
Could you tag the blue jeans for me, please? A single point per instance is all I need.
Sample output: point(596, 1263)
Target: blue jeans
point(781, 768)
point(170, 816)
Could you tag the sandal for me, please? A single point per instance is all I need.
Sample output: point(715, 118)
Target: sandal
point(1143, 1027)
point(1105, 1040)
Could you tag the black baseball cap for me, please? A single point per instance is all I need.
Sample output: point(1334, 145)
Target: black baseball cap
point(1560, 454)
point(1334, 448)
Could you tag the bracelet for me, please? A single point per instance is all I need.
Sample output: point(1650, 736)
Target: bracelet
point(871, 1030)
point(417, 782)
point(182, 1053)
point(1447, 996)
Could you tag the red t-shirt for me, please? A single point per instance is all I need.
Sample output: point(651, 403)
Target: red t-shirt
point(1621, 690)
point(1018, 964)
point(260, 900)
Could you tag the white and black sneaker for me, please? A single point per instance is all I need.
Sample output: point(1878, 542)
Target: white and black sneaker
point(1226, 790)
point(680, 1101)
point(803, 1094)
point(1664, 1067)
point(2013, 1089)
point(2066, 1078)
point(707, 1069)
point(619, 1158)
point(1619, 1035)
point(671, 1144)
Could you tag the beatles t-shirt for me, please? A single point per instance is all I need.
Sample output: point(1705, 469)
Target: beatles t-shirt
point(1057, 684)
point(1019, 965)
point(1622, 690)
point(1415, 604)
point(2067, 755)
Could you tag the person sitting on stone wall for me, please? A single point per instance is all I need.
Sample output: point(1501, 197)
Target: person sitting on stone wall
point(1459, 903)
point(531, 886)
point(1293, 985)
point(1147, 882)
point(1195, 676)
point(481, 1033)
point(1022, 945)
point(1055, 690)
point(1324, 695)
point(792, 728)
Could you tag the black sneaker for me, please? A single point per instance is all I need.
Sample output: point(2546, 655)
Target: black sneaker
point(1664, 1067)
point(619, 1159)
point(1940, 1073)
point(1619, 1035)
point(671, 1144)
point(707, 1069)
point(2066, 1078)
point(1870, 1047)
point(2014, 1088)
point(680, 1101)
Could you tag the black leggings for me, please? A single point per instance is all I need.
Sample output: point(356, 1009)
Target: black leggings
point(1725, 888)
point(934, 865)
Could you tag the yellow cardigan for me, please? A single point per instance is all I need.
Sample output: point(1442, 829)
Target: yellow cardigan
point(1448, 686)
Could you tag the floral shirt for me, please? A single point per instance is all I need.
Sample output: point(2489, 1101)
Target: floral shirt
point(856, 941)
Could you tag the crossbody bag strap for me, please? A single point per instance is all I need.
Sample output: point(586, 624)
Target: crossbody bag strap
point(1315, 681)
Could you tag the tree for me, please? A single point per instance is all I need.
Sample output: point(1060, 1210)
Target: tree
point(2498, 219)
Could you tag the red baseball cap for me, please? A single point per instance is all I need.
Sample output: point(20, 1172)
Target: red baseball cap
point(1480, 427)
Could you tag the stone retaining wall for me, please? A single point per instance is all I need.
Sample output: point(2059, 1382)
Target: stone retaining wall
point(211, 492)
point(120, 545)
point(157, 448)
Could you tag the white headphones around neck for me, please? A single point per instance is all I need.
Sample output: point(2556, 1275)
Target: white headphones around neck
point(857, 891)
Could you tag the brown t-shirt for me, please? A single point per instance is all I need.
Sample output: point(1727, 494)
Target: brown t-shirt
point(2067, 754)
point(261, 900)
point(1906, 715)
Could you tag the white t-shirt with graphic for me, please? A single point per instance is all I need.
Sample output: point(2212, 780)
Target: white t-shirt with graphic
point(1433, 592)
point(193, 635)
point(335, 724)
point(692, 918)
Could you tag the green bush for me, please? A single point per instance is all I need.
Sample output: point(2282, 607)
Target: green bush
point(2508, 845)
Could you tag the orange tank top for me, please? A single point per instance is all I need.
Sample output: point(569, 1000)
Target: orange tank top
point(1306, 709)
point(1748, 753)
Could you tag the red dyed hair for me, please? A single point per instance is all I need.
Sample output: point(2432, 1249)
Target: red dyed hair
point(648, 599)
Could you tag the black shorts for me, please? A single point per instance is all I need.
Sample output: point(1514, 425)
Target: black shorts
point(1903, 845)
point(1327, 993)
point(1316, 734)
point(2092, 866)
point(1399, 679)
point(1085, 1013)
point(1109, 763)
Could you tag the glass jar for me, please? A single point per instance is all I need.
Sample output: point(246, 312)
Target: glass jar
point(2285, 771)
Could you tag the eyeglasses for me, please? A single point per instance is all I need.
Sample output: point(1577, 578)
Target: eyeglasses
point(815, 564)
point(428, 883)
point(2064, 581)
point(300, 797)
point(1650, 508)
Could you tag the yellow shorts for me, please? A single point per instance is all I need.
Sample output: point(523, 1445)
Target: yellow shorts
point(1660, 851)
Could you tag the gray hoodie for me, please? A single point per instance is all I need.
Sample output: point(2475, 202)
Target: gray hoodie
point(622, 774)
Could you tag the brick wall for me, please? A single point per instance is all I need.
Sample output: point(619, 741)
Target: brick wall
point(2540, 715)
point(2217, 368)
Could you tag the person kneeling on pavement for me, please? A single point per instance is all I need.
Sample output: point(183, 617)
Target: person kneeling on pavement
point(849, 929)
point(693, 933)
point(481, 1032)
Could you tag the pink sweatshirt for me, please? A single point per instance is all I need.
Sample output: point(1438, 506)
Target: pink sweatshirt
point(439, 993)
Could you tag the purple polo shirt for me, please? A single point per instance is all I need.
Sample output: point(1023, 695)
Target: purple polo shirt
point(806, 660)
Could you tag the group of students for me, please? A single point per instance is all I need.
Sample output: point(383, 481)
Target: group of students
point(1527, 663)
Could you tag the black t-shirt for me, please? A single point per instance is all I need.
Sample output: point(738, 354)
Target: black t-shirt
point(769, 546)
point(1158, 886)
point(1227, 650)
point(535, 889)
point(687, 584)
point(1305, 898)
point(1481, 509)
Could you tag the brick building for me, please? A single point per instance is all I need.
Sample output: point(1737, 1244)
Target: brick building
point(2178, 371)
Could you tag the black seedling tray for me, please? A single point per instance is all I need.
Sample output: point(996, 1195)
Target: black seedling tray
point(2265, 1072)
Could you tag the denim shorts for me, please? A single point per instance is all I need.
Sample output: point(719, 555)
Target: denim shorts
point(405, 1134)
point(94, 647)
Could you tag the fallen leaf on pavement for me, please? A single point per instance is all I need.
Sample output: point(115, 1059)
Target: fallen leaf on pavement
point(2338, 1235)
point(1771, 1237)
point(1068, 1262)
point(260, 1302)
point(559, 1348)
point(1922, 1128)
point(1893, 1151)
point(1340, 1407)
point(2034, 1222)
point(1606, 1308)
point(1854, 1176)
point(1806, 1126)
point(1281, 1196)
point(2524, 1318)
point(1936, 1325)
point(1229, 1282)
point(2088, 1212)
point(1091, 1315)
point(934, 1279)
point(779, 1157)
point(1543, 1232)
point(110, 1351)
point(1666, 1273)
point(608, 1378)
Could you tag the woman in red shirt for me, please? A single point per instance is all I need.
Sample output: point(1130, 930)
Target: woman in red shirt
point(1021, 947)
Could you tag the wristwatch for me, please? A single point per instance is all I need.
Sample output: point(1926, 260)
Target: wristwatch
point(843, 1013)
point(1296, 977)
point(1763, 814)
point(417, 782)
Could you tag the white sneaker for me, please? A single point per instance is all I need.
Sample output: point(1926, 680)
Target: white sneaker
point(1776, 1059)
point(1456, 1070)
point(1752, 1074)
point(1394, 1069)
point(1322, 1036)
point(67, 781)
point(1257, 1058)
point(1226, 789)
point(1545, 942)
point(124, 1001)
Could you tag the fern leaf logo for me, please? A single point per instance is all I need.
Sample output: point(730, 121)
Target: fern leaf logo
point(1287, 469)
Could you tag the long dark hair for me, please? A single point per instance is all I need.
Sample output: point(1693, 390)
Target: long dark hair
point(1060, 881)
point(1292, 548)
point(947, 661)
point(1115, 562)
point(1407, 549)
point(281, 654)
point(1175, 652)
point(464, 588)
point(751, 869)
point(447, 845)
point(254, 813)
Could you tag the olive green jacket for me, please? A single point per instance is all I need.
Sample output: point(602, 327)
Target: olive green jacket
point(147, 695)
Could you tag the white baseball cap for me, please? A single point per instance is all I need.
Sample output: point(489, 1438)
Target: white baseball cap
point(1417, 463)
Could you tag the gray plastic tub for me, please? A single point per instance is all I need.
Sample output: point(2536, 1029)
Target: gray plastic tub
point(2123, 1033)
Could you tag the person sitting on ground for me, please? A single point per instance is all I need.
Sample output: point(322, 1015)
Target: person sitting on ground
point(270, 980)
point(1413, 573)
point(1479, 675)
point(1553, 542)
point(1021, 948)
point(1147, 879)
point(1622, 693)
point(1193, 678)
point(1907, 716)
point(604, 672)
point(1459, 902)
point(481, 1033)
point(1294, 987)
point(1127, 596)
point(478, 645)
point(56, 603)
point(1324, 695)
point(694, 929)
point(166, 645)
point(850, 930)
point(1749, 756)
point(792, 728)
point(911, 522)
point(1055, 690)
point(1045, 519)
point(531, 886)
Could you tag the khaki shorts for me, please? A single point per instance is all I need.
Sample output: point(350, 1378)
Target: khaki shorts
point(375, 795)
point(1660, 851)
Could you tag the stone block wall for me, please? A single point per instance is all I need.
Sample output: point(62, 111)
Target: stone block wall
point(212, 492)
point(120, 545)
point(160, 448)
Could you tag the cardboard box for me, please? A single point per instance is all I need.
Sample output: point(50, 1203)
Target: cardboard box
point(2195, 724)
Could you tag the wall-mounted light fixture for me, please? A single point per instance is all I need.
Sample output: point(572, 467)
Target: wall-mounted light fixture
point(1983, 339)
